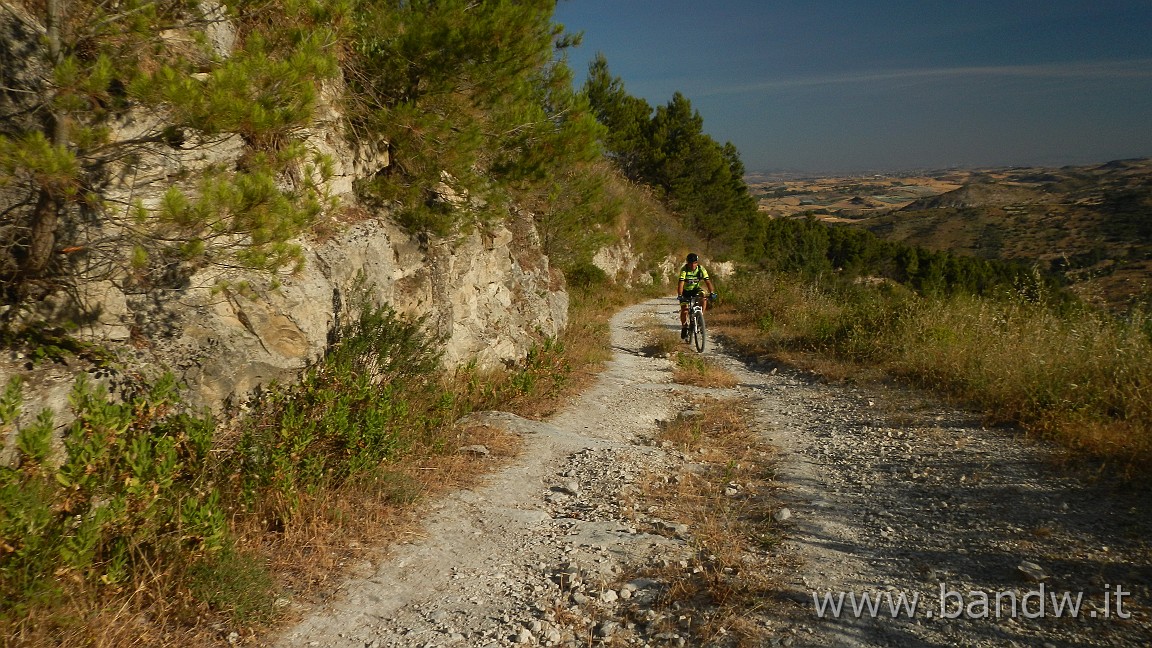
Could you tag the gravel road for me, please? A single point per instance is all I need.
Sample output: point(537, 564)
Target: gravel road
point(887, 492)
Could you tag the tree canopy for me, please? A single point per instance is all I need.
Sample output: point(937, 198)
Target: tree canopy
point(667, 149)
point(473, 100)
point(119, 84)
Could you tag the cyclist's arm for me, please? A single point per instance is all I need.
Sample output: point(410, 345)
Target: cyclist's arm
point(680, 288)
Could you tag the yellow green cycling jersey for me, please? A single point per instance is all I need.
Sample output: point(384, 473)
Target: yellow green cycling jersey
point(693, 278)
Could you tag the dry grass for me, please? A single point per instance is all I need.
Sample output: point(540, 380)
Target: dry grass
point(701, 371)
point(1078, 376)
point(727, 504)
point(583, 350)
point(337, 530)
point(661, 341)
point(341, 529)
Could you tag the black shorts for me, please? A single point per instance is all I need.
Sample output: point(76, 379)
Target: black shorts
point(689, 294)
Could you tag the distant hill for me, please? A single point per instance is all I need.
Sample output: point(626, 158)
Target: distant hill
point(1091, 224)
point(979, 194)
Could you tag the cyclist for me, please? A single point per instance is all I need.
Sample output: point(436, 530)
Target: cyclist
point(691, 276)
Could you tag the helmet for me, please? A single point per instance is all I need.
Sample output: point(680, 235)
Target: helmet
point(692, 258)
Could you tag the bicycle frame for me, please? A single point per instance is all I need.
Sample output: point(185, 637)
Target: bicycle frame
point(696, 328)
point(696, 306)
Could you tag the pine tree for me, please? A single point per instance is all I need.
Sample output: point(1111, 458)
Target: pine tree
point(154, 63)
point(468, 95)
point(627, 120)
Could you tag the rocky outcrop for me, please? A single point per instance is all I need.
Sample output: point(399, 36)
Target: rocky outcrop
point(22, 70)
point(627, 267)
point(622, 264)
point(473, 293)
point(489, 293)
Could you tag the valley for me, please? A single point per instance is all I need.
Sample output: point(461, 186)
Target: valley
point(1091, 225)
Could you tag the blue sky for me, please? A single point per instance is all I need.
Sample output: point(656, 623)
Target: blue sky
point(871, 85)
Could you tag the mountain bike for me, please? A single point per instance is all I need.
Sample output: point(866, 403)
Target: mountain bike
point(697, 332)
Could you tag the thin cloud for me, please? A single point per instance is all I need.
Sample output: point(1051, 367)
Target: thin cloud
point(1134, 69)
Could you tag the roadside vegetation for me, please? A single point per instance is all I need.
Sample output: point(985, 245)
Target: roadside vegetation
point(163, 526)
point(1060, 369)
point(711, 597)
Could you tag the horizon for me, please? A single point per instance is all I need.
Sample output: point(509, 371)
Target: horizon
point(929, 171)
point(888, 86)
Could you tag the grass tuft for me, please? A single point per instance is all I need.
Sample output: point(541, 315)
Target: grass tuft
point(701, 371)
point(238, 584)
point(726, 505)
point(661, 342)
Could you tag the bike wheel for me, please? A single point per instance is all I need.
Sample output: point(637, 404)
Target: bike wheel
point(699, 334)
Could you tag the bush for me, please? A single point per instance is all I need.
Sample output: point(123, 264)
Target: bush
point(373, 396)
point(131, 491)
point(145, 488)
point(586, 277)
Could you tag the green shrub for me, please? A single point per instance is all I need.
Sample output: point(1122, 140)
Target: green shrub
point(373, 397)
point(586, 276)
point(130, 490)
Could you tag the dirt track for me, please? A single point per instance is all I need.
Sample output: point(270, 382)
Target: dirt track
point(888, 493)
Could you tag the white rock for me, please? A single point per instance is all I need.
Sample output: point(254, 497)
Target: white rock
point(1031, 571)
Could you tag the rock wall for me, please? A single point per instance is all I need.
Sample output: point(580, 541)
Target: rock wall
point(22, 70)
point(626, 266)
point(622, 263)
point(490, 293)
point(473, 292)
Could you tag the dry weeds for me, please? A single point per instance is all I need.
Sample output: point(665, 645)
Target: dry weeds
point(727, 506)
point(662, 342)
point(701, 371)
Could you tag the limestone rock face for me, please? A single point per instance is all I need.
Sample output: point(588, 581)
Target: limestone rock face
point(22, 71)
point(626, 266)
point(622, 264)
point(474, 293)
point(489, 294)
